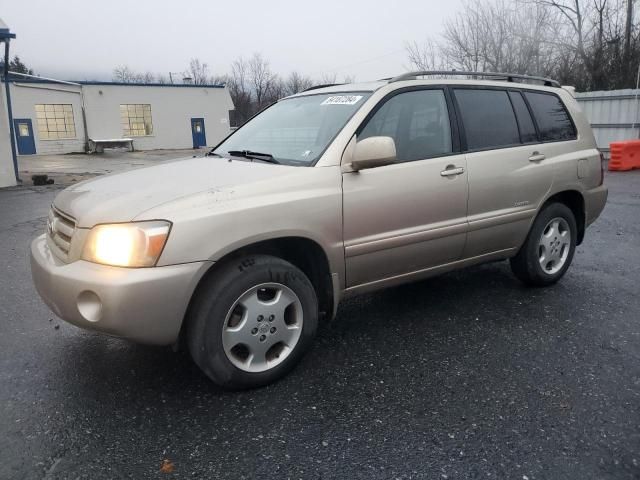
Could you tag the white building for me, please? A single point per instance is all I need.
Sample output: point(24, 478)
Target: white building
point(55, 117)
point(613, 115)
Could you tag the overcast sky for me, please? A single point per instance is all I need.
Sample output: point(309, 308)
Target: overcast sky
point(86, 39)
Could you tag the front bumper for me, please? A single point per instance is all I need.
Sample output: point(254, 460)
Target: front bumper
point(146, 305)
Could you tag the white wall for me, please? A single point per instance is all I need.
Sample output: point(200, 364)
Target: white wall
point(613, 115)
point(172, 108)
point(24, 97)
point(7, 175)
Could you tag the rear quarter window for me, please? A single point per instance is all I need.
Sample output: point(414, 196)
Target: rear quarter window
point(488, 118)
point(551, 116)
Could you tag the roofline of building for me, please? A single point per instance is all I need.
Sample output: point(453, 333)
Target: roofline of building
point(16, 78)
point(152, 84)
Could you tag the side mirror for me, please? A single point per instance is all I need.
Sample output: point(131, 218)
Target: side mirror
point(373, 152)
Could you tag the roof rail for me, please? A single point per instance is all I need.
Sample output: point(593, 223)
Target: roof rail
point(315, 87)
point(509, 77)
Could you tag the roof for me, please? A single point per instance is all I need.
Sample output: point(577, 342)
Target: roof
point(509, 77)
point(346, 87)
point(117, 84)
point(124, 84)
point(5, 32)
point(373, 86)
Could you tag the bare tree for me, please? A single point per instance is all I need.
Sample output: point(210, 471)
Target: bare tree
point(297, 82)
point(465, 38)
point(328, 79)
point(586, 43)
point(493, 35)
point(198, 71)
point(261, 79)
point(499, 36)
point(124, 74)
point(574, 12)
point(220, 79)
point(425, 56)
point(147, 77)
point(240, 92)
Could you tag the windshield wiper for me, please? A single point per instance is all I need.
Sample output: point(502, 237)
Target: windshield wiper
point(213, 154)
point(265, 157)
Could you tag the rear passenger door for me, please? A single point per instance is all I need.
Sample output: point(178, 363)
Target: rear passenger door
point(508, 175)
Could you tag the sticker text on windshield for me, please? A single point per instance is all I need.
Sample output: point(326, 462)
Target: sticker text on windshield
point(342, 100)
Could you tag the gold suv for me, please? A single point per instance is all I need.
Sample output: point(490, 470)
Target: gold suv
point(325, 194)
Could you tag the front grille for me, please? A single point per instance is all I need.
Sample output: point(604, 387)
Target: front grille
point(60, 228)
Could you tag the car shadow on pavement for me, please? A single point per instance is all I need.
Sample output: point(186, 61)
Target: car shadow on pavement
point(418, 318)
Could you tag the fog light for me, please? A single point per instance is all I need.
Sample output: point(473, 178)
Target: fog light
point(89, 306)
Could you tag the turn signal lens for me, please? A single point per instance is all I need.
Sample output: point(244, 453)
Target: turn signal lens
point(127, 244)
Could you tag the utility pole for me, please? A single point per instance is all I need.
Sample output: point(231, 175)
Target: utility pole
point(185, 80)
point(6, 36)
point(627, 30)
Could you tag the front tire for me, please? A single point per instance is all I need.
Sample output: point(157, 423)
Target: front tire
point(548, 250)
point(252, 321)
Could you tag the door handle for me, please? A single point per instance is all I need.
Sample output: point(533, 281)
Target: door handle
point(537, 157)
point(451, 170)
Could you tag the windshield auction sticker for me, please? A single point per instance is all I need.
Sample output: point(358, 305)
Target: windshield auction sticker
point(342, 100)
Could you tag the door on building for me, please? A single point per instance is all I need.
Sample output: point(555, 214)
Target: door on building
point(197, 133)
point(24, 136)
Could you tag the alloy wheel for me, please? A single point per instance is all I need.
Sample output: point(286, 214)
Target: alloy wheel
point(262, 327)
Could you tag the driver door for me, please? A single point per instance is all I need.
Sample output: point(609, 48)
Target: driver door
point(404, 219)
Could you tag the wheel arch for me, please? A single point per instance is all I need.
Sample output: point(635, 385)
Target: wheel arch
point(575, 201)
point(305, 253)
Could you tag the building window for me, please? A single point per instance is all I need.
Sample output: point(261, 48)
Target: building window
point(55, 121)
point(136, 120)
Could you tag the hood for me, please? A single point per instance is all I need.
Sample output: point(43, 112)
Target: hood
point(121, 197)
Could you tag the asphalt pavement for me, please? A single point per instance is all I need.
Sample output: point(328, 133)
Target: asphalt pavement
point(468, 375)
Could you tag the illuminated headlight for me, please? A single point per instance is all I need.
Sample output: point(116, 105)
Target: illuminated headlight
point(137, 244)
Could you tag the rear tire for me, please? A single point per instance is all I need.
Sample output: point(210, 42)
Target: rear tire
point(252, 321)
point(548, 250)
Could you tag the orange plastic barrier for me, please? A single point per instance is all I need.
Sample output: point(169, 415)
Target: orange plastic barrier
point(624, 155)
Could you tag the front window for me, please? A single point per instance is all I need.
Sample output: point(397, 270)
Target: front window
point(418, 122)
point(296, 131)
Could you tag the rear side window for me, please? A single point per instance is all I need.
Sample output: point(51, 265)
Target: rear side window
point(525, 123)
point(552, 118)
point(488, 118)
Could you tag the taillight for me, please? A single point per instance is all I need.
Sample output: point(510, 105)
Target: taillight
point(601, 169)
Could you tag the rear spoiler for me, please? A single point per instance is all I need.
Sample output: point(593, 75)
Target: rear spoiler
point(570, 89)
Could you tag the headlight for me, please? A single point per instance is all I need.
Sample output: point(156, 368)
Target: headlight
point(137, 244)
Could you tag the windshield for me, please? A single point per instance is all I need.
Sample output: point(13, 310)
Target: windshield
point(294, 131)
